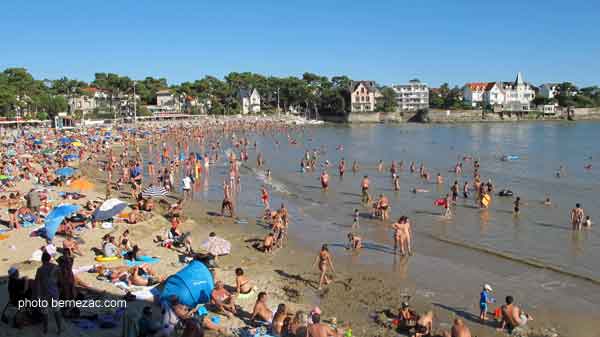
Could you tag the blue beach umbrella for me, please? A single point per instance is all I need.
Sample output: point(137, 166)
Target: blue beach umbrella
point(37, 142)
point(65, 171)
point(56, 216)
point(109, 209)
point(65, 140)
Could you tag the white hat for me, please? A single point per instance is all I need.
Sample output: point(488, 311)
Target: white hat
point(487, 287)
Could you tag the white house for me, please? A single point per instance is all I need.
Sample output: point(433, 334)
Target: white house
point(510, 96)
point(473, 92)
point(91, 99)
point(164, 98)
point(363, 96)
point(250, 100)
point(412, 96)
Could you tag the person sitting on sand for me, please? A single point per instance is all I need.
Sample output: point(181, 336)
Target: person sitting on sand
point(268, 243)
point(513, 316)
point(125, 242)
point(298, 325)
point(424, 324)
point(407, 317)
point(223, 300)
point(279, 320)
point(261, 311)
point(110, 249)
point(242, 283)
point(354, 241)
point(318, 329)
point(175, 312)
point(134, 216)
point(175, 209)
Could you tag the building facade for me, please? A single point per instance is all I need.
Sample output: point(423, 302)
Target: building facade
point(363, 96)
point(412, 96)
point(549, 90)
point(250, 101)
point(508, 96)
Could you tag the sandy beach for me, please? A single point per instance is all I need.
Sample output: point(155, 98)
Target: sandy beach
point(357, 295)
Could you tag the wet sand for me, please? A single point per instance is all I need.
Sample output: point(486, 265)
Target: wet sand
point(432, 277)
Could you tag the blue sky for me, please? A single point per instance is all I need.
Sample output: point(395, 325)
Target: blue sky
point(388, 41)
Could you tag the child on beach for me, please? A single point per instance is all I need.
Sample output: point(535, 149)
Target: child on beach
point(354, 241)
point(355, 223)
point(484, 299)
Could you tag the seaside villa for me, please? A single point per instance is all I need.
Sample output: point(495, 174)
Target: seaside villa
point(508, 96)
point(250, 101)
point(363, 96)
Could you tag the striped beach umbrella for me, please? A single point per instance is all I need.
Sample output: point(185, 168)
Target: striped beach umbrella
point(154, 191)
point(109, 209)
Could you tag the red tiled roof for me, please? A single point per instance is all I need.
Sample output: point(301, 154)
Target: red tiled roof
point(477, 86)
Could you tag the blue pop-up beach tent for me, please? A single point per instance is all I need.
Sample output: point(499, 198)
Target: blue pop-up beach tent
point(192, 285)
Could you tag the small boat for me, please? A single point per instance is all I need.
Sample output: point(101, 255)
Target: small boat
point(510, 158)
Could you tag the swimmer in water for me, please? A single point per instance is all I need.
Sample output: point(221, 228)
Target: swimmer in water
point(517, 205)
point(418, 190)
point(325, 180)
point(547, 202)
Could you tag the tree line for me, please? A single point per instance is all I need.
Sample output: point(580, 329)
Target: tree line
point(310, 93)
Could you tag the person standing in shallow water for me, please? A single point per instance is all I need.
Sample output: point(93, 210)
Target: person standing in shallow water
point(577, 216)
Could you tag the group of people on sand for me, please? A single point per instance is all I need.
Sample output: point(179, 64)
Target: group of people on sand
point(278, 221)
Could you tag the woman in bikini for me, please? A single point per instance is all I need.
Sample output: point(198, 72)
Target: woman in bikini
point(14, 203)
point(324, 261)
point(242, 283)
point(279, 320)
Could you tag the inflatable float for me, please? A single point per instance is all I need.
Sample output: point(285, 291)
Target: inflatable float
point(485, 200)
point(506, 193)
point(102, 258)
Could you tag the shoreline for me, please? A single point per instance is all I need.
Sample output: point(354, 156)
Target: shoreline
point(289, 277)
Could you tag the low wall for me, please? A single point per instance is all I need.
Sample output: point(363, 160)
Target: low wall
point(587, 113)
point(458, 116)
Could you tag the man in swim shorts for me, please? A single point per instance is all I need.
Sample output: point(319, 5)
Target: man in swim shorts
point(364, 185)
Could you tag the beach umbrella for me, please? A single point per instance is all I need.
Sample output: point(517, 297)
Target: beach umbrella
point(37, 142)
point(77, 144)
point(56, 216)
point(191, 285)
point(48, 152)
point(3, 177)
point(65, 171)
point(217, 246)
point(109, 209)
point(65, 140)
point(82, 185)
point(154, 191)
point(71, 157)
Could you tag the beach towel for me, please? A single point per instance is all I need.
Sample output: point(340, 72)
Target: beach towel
point(139, 262)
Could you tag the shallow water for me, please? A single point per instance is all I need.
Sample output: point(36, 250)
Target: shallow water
point(539, 236)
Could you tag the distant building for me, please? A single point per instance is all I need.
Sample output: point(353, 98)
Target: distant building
point(508, 96)
point(412, 96)
point(363, 96)
point(250, 101)
point(165, 99)
point(92, 98)
point(473, 92)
